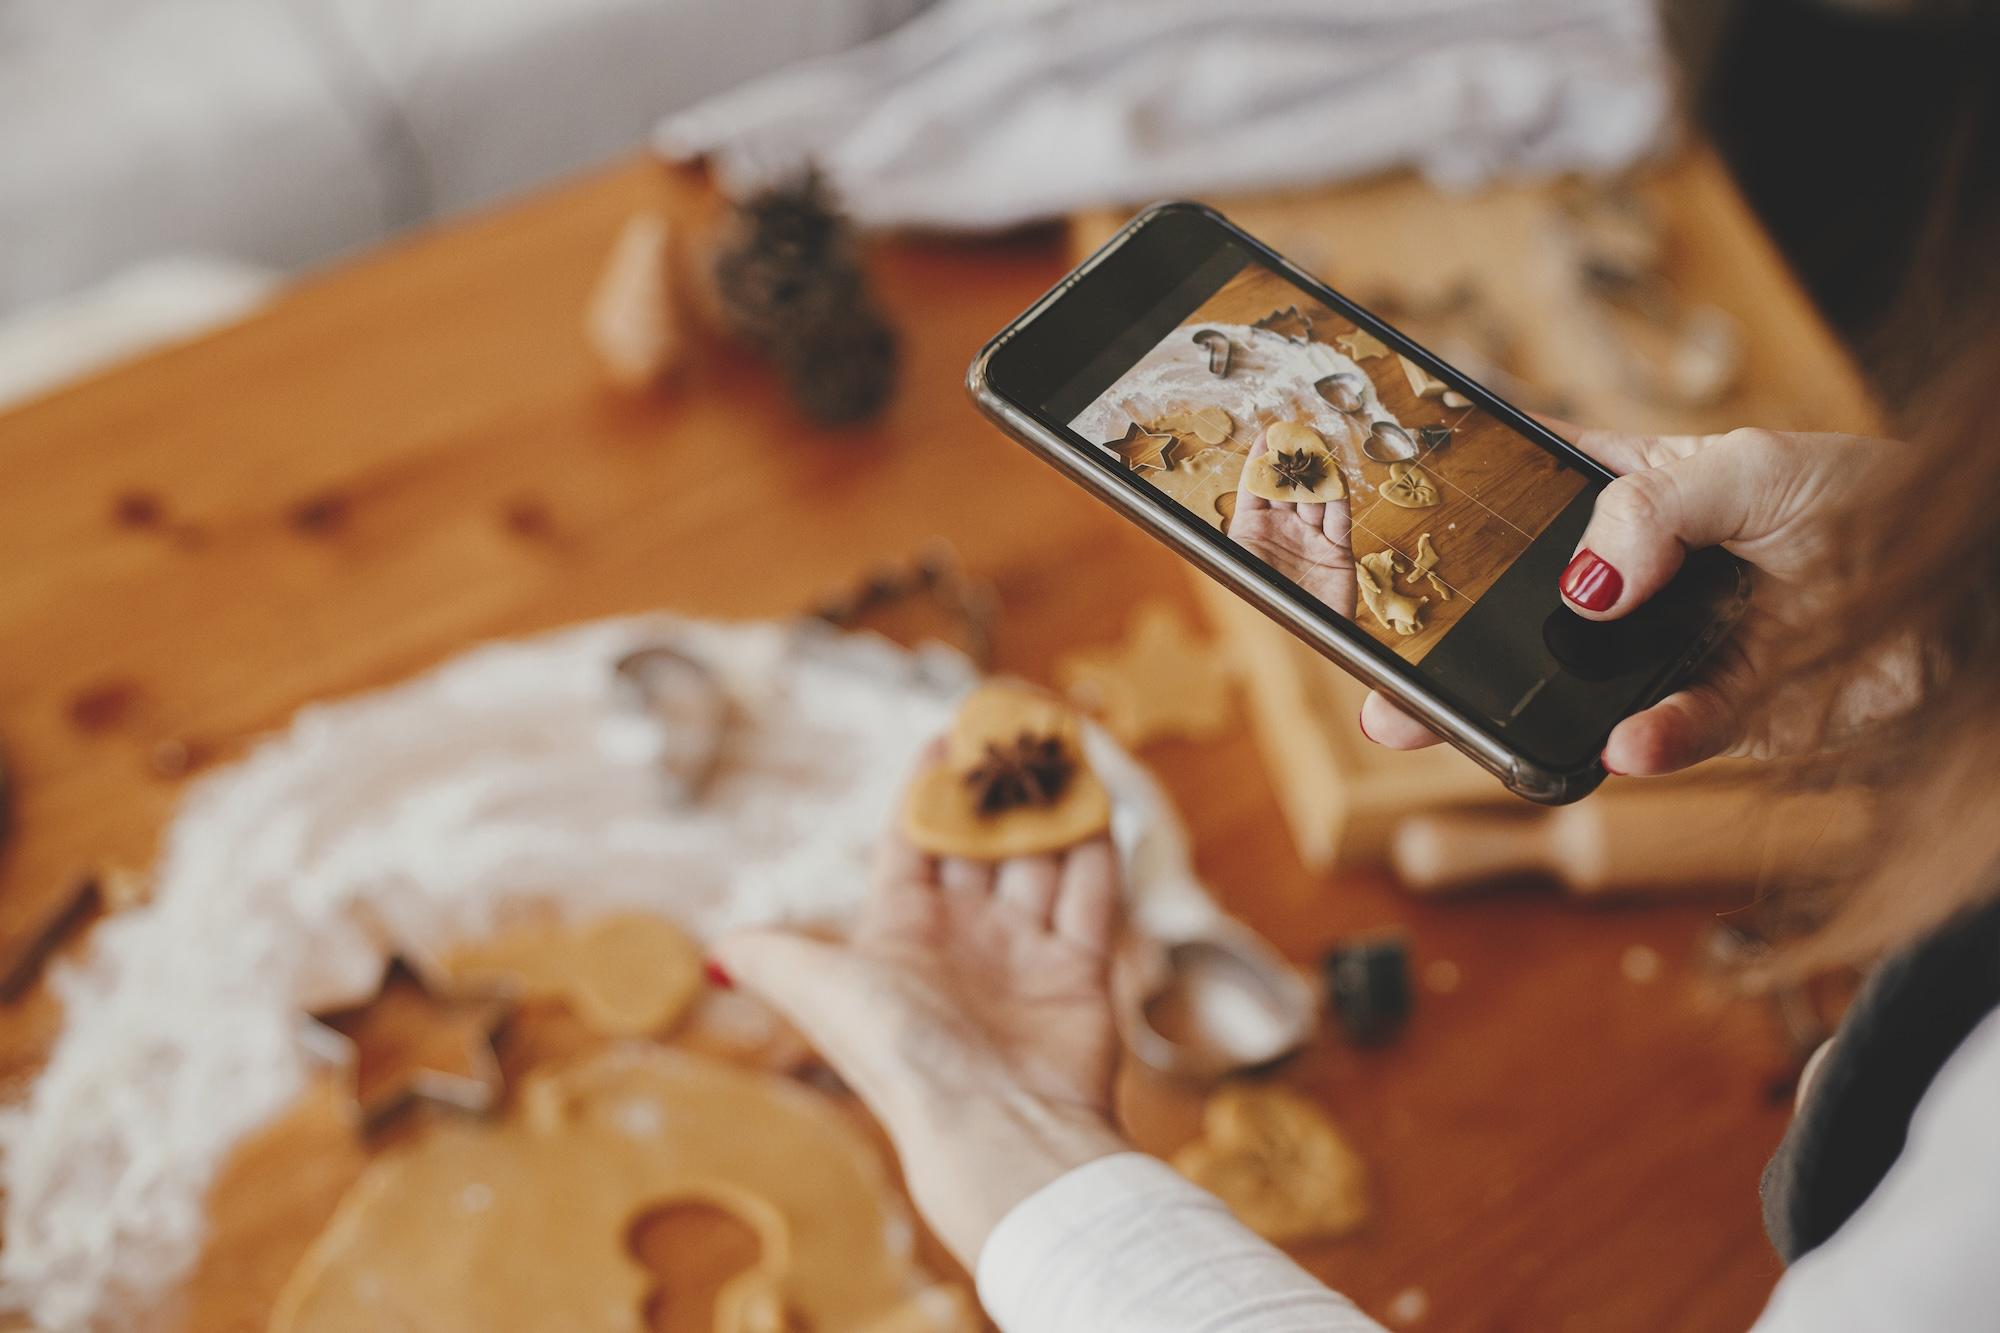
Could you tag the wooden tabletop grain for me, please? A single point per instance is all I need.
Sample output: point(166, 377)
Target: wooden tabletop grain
point(412, 453)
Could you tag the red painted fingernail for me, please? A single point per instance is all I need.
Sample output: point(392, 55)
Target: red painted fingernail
point(1614, 772)
point(717, 975)
point(1590, 582)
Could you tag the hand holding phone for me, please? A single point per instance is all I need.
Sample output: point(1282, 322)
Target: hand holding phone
point(1381, 505)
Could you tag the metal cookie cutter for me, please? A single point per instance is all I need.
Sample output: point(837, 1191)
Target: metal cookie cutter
point(1214, 1003)
point(1389, 443)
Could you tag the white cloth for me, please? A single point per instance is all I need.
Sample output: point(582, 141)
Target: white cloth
point(990, 113)
point(1124, 1245)
point(283, 132)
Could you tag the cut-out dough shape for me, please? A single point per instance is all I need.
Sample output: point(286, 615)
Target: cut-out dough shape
point(521, 1225)
point(1422, 383)
point(1409, 486)
point(1279, 1163)
point(1203, 481)
point(627, 975)
point(1210, 425)
point(1291, 323)
point(1376, 577)
point(1146, 451)
point(410, 1044)
point(1360, 345)
point(631, 323)
point(1163, 681)
point(1295, 466)
point(1013, 781)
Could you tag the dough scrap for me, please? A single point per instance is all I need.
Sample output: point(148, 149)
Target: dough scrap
point(1425, 567)
point(1279, 1163)
point(1163, 681)
point(520, 1225)
point(626, 975)
point(1409, 486)
point(1203, 482)
point(1376, 576)
point(942, 814)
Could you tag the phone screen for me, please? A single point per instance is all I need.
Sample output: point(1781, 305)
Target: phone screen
point(1355, 468)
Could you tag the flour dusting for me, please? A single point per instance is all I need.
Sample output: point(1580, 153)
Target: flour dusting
point(411, 819)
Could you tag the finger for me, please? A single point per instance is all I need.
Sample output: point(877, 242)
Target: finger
point(1028, 885)
point(1337, 522)
point(1246, 499)
point(902, 886)
point(965, 878)
point(1314, 514)
point(1681, 730)
point(1389, 726)
point(1646, 522)
point(1622, 453)
point(1088, 896)
point(781, 967)
point(824, 991)
point(899, 863)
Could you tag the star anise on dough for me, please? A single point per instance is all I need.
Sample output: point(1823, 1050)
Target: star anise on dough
point(1029, 770)
point(1300, 469)
point(1147, 451)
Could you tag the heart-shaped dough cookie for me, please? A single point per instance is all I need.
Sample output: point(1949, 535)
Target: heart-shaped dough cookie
point(1013, 781)
point(1296, 465)
point(1409, 486)
point(1279, 1164)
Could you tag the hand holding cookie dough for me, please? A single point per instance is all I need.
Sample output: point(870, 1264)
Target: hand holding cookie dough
point(971, 1008)
point(1292, 513)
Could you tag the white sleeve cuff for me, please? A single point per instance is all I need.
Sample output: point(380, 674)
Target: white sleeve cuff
point(1125, 1243)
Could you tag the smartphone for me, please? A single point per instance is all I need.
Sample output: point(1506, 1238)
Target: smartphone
point(1381, 505)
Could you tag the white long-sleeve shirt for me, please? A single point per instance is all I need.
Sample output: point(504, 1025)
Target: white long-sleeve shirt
point(1125, 1245)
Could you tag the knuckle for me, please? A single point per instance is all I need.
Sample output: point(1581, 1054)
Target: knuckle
point(1637, 500)
point(1764, 446)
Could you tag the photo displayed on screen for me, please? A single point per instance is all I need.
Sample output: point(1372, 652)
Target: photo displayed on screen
point(1374, 486)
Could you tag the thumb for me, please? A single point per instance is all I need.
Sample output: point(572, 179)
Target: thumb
point(1646, 522)
point(781, 967)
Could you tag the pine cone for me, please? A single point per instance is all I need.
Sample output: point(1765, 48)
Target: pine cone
point(843, 373)
point(787, 262)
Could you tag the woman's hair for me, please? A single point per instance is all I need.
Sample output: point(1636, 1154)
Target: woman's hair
point(1919, 571)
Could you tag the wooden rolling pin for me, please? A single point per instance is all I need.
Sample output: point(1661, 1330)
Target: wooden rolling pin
point(1676, 840)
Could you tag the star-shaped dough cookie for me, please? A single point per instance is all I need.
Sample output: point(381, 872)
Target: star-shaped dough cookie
point(1146, 451)
point(411, 1044)
point(1163, 681)
point(1360, 345)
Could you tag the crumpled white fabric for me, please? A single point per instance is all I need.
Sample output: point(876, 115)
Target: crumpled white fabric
point(992, 113)
point(408, 819)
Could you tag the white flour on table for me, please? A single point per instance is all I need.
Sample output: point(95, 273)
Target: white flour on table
point(1270, 379)
point(411, 818)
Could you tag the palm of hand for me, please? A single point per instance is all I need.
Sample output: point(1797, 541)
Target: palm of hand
point(993, 982)
point(1284, 539)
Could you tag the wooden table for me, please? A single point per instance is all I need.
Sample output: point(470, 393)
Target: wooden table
point(412, 453)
